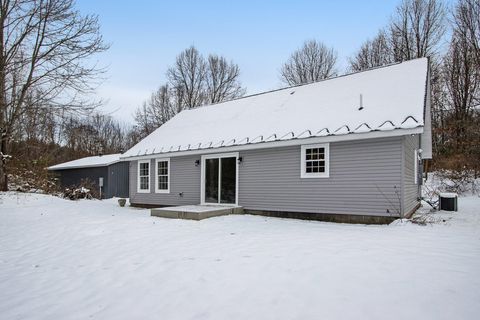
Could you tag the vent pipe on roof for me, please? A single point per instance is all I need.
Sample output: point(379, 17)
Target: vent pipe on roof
point(361, 102)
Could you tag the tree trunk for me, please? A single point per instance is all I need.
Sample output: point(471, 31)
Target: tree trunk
point(3, 165)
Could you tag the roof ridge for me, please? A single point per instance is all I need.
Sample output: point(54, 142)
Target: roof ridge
point(306, 84)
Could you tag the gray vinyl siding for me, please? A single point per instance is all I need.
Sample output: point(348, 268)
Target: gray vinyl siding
point(365, 178)
point(118, 176)
point(184, 178)
point(410, 189)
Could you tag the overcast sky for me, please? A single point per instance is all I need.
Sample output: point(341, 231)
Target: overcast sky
point(145, 37)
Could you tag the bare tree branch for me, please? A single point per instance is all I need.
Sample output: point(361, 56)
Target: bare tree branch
point(312, 62)
point(417, 28)
point(45, 50)
point(222, 81)
point(189, 74)
point(373, 53)
point(467, 24)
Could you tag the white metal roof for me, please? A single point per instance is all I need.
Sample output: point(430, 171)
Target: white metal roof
point(393, 98)
point(95, 161)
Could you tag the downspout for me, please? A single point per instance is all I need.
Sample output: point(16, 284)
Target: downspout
point(402, 179)
point(420, 172)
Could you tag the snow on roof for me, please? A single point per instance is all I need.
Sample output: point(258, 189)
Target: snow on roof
point(95, 161)
point(393, 97)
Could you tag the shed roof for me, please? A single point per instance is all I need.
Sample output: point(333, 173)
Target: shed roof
point(87, 162)
point(393, 97)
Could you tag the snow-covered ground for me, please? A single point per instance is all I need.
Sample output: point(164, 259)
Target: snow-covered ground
point(62, 259)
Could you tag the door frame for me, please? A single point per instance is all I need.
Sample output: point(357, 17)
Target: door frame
point(202, 179)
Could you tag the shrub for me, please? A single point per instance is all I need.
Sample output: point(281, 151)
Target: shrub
point(85, 190)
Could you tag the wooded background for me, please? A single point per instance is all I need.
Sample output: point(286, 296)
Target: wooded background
point(48, 110)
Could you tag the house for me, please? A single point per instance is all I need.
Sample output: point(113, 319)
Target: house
point(108, 173)
point(342, 149)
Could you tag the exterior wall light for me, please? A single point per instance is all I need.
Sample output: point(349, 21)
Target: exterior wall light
point(197, 163)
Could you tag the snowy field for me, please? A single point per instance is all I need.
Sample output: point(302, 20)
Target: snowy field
point(61, 259)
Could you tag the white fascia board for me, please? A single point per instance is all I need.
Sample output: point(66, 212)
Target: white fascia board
point(54, 168)
point(426, 136)
point(283, 143)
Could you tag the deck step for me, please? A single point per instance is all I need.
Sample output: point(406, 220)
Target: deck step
point(198, 212)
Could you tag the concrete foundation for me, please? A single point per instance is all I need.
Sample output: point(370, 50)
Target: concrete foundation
point(328, 217)
point(198, 212)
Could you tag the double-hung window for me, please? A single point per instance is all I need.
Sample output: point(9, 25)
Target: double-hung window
point(315, 161)
point(144, 176)
point(162, 183)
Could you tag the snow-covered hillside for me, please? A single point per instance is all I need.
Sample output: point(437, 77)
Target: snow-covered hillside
point(61, 259)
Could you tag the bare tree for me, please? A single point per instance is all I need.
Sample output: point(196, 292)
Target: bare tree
point(156, 111)
point(222, 81)
point(373, 53)
point(188, 76)
point(415, 31)
point(462, 79)
point(37, 123)
point(197, 81)
point(45, 46)
point(467, 24)
point(314, 61)
point(193, 81)
point(143, 122)
point(94, 134)
point(417, 28)
point(461, 73)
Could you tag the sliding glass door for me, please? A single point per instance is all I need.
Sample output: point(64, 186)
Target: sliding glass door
point(211, 180)
point(220, 179)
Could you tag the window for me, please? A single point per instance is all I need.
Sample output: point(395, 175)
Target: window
point(143, 176)
point(315, 161)
point(162, 184)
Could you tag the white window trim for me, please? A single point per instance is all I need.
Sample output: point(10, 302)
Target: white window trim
point(303, 173)
point(156, 175)
point(415, 166)
point(202, 178)
point(138, 177)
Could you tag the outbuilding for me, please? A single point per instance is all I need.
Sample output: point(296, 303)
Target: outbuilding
point(108, 174)
point(347, 149)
